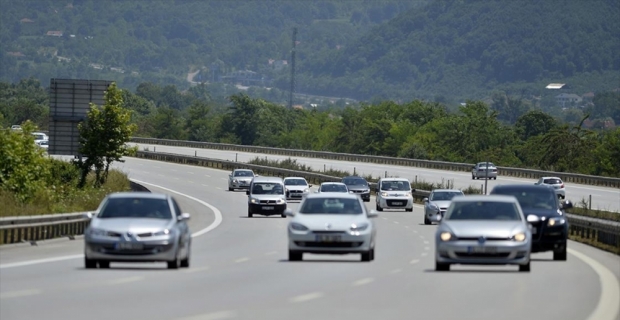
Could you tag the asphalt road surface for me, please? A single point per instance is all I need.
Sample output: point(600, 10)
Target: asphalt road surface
point(602, 198)
point(239, 270)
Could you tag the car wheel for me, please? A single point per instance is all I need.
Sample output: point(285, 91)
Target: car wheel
point(90, 263)
point(174, 264)
point(366, 256)
point(442, 266)
point(409, 210)
point(295, 256)
point(250, 214)
point(495, 178)
point(379, 208)
point(230, 189)
point(104, 264)
point(185, 262)
point(283, 215)
point(525, 267)
point(426, 221)
point(560, 255)
point(372, 254)
point(472, 177)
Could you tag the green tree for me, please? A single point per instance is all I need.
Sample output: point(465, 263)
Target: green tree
point(104, 136)
point(534, 123)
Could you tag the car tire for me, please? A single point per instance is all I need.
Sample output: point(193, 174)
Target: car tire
point(372, 254)
point(283, 215)
point(426, 221)
point(495, 178)
point(250, 214)
point(185, 262)
point(442, 266)
point(366, 256)
point(560, 255)
point(90, 263)
point(174, 264)
point(472, 177)
point(524, 267)
point(230, 189)
point(104, 264)
point(379, 208)
point(408, 210)
point(295, 256)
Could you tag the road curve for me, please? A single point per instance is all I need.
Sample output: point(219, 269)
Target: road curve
point(239, 271)
point(602, 198)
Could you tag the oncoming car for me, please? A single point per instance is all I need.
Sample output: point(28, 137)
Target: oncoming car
point(437, 203)
point(359, 186)
point(331, 223)
point(483, 230)
point(394, 193)
point(296, 187)
point(266, 197)
point(137, 227)
point(240, 179)
point(333, 187)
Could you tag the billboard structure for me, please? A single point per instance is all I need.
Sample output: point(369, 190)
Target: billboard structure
point(69, 104)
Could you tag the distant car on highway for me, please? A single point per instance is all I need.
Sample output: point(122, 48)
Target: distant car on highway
point(16, 127)
point(480, 171)
point(437, 203)
point(137, 227)
point(394, 193)
point(240, 179)
point(333, 187)
point(483, 230)
point(39, 136)
point(266, 197)
point(331, 223)
point(296, 188)
point(545, 213)
point(359, 186)
point(44, 144)
point(556, 183)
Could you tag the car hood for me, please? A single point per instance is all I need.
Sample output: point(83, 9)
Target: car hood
point(302, 188)
point(543, 212)
point(441, 204)
point(267, 196)
point(133, 225)
point(358, 187)
point(397, 193)
point(338, 222)
point(476, 228)
point(245, 179)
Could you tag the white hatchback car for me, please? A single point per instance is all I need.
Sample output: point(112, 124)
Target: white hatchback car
point(556, 183)
point(394, 193)
point(296, 188)
point(333, 187)
point(331, 223)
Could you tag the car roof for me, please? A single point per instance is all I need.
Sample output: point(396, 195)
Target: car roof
point(551, 178)
point(521, 186)
point(447, 190)
point(341, 195)
point(138, 194)
point(394, 179)
point(243, 170)
point(493, 198)
point(354, 177)
point(332, 183)
point(267, 179)
point(294, 178)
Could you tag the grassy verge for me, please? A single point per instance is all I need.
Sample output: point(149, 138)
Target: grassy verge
point(581, 209)
point(594, 243)
point(63, 197)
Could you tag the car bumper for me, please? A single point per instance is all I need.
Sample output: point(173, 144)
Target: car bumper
point(365, 196)
point(392, 203)
point(483, 174)
point(466, 252)
point(267, 209)
point(240, 185)
point(295, 195)
point(310, 242)
point(434, 216)
point(152, 251)
point(549, 238)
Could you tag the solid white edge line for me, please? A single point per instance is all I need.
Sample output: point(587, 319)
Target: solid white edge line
point(212, 226)
point(608, 307)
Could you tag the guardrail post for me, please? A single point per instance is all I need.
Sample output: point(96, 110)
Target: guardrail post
point(590, 202)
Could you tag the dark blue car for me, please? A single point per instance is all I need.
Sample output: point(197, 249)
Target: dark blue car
point(545, 213)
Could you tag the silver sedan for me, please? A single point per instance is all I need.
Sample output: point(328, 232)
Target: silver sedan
point(437, 203)
point(331, 223)
point(480, 170)
point(483, 230)
point(137, 227)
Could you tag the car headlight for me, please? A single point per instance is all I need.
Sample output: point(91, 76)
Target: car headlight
point(555, 222)
point(298, 226)
point(384, 194)
point(254, 200)
point(286, 190)
point(306, 190)
point(359, 227)
point(408, 194)
point(97, 232)
point(366, 190)
point(445, 236)
point(235, 181)
point(434, 207)
point(520, 237)
point(280, 201)
point(162, 233)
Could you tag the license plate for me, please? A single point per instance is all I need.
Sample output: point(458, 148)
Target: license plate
point(328, 238)
point(397, 203)
point(129, 246)
point(267, 208)
point(483, 249)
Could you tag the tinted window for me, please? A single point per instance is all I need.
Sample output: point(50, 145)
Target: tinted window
point(483, 210)
point(331, 206)
point(354, 182)
point(267, 188)
point(136, 208)
point(444, 195)
point(295, 182)
point(395, 186)
point(532, 199)
point(552, 181)
point(244, 174)
point(334, 188)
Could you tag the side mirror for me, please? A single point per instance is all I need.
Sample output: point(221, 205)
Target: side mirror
point(309, 186)
point(247, 192)
point(425, 200)
point(184, 216)
point(289, 213)
point(257, 175)
point(532, 218)
point(567, 205)
point(373, 214)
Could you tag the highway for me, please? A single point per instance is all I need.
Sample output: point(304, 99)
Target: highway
point(239, 270)
point(602, 198)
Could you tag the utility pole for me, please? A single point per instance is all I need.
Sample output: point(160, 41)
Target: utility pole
point(290, 101)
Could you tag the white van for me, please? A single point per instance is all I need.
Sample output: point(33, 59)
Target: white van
point(394, 193)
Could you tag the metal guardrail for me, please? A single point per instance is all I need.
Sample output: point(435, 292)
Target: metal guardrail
point(596, 230)
point(43, 227)
point(439, 165)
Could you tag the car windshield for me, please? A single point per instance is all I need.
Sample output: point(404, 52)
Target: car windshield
point(395, 186)
point(136, 208)
point(552, 181)
point(355, 182)
point(244, 174)
point(539, 199)
point(445, 195)
point(334, 188)
point(483, 210)
point(331, 206)
point(295, 182)
point(267, 188)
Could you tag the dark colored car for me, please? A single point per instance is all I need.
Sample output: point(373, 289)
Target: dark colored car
point(359, 186)
point(545, 213)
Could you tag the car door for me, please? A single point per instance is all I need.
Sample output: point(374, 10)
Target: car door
point(182, 227)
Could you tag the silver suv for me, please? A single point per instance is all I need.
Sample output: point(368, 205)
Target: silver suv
point(266, 197)
point(394, 193)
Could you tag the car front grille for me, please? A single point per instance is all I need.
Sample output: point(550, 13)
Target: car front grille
point(148, 249)
point(500, 255)
point(486, 239)
point(267, 202)
point(311, 244)
point(401, 203)
point(329, 232)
